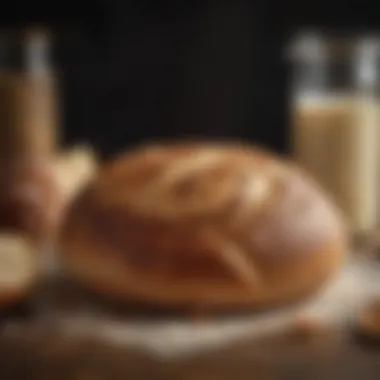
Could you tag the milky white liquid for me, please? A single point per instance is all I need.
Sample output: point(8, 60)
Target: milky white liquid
point(337, 140)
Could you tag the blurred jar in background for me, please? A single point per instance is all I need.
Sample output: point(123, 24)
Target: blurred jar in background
point(335, 112)
point(28, 127)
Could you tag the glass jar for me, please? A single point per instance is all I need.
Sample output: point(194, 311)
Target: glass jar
point(28, 126)
point(335, 121)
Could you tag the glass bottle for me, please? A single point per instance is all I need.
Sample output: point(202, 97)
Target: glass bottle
point(335, 112)
point(28, 127)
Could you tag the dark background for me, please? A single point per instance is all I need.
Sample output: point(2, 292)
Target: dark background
point(138, 70)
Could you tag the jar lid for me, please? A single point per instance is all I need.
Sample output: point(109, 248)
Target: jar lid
point(25, 49)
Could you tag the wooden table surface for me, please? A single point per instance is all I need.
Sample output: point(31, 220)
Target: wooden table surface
point(44, 353)
point(52, 358)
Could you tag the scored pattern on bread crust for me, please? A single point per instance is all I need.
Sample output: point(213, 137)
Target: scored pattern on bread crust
point(216, 217)
point(205, 195)
point(235, 258)
point(196, 183)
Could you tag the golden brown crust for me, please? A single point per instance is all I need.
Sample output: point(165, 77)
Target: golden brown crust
point(368, 321)
point(203, 224)
point(9, 298)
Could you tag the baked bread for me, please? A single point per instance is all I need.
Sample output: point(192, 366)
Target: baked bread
point(203, 225)
point(367, 327)
point(18, 268)
point(73, 169)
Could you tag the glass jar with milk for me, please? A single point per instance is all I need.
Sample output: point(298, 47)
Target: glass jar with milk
point(335, 108)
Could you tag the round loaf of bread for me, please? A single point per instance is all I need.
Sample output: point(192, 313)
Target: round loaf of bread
point(207, 225)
